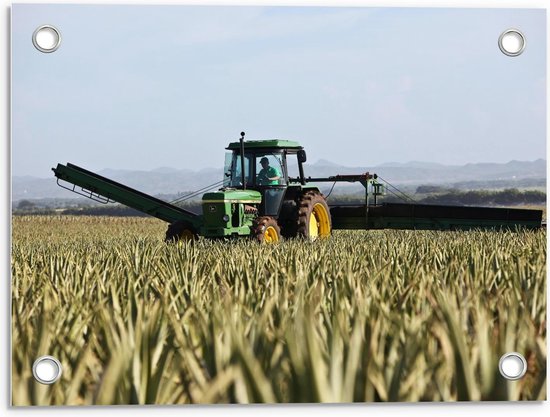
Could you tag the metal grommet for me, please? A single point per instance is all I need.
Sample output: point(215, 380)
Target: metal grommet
point(46, 38)
point(512, 366)
point(46, 370)
point(511, 42)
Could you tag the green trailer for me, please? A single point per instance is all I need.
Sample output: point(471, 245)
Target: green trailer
point(258, 198)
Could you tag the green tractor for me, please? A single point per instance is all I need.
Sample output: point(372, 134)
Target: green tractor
point(258, 198)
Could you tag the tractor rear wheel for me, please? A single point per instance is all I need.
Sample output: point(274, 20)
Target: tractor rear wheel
point(314, 216)
point(266, 230)
point(181, 230)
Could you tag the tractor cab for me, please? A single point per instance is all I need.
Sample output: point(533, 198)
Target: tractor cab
point(264, 168)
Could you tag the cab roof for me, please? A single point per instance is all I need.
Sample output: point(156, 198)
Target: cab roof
point(267, 143)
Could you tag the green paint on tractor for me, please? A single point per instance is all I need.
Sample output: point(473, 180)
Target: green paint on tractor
point(266, 144)
point(225, 214)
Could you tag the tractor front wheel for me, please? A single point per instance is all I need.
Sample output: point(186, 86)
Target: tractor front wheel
point(180, 231)
point(266, 230)
point(314, 216)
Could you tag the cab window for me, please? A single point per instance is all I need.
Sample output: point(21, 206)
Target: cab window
point(269, 169)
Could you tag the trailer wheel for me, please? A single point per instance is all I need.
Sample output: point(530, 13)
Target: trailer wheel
point(266, 230)
point(314, 216)
point(180, 231)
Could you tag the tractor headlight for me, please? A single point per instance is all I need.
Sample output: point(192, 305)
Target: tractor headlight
point(225, 218)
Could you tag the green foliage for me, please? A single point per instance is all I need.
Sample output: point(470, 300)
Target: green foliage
point(511, 196)
point(440, 195)
point(362, 316)
point(25, 205)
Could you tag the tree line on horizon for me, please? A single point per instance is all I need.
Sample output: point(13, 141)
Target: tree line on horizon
point(507, 197)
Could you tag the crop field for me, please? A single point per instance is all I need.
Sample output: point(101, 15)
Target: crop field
point(362, 316)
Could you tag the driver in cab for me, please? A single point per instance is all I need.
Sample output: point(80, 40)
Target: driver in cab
point(268, 175)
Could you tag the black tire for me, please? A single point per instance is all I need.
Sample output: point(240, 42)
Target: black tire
point(313, 203)
point(180, 230)
point(266, 230)
point(288, 219)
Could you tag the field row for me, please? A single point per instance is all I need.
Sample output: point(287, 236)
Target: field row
point(362, 316)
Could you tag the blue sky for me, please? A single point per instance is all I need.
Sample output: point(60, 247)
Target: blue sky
point(141, 87)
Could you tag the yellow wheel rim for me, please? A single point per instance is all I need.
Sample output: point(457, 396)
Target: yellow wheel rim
point(319, 222)
point(270, 235)
point(313, 226)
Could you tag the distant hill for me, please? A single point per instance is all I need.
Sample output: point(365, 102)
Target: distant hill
point(412, 164)
point(166, 180)
point(430, 173)
point(159, 181)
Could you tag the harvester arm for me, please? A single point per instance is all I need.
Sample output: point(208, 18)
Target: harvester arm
point(411, 215)
point(362, 178)
point(105, 190)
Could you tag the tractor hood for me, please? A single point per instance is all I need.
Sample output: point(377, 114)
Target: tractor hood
point(233, 196)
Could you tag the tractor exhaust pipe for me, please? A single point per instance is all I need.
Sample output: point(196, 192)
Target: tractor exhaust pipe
point(242, 161)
